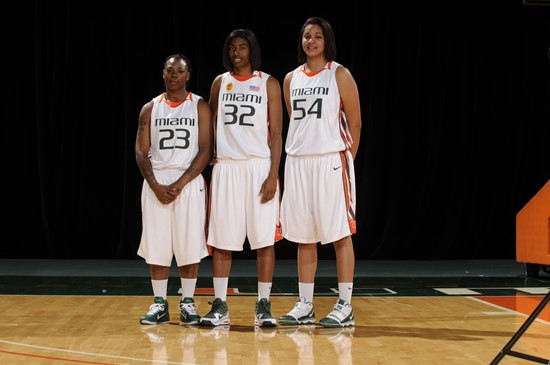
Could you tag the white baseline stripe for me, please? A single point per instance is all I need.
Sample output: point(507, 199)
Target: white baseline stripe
point(92, 354)
point(507, 309)
point(335, 290)
point(509, 287)
point(457, 291)
point(542, 291)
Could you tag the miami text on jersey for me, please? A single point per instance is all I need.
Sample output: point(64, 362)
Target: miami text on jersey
point(242, 97)
point(319, 90)
point(174, 121)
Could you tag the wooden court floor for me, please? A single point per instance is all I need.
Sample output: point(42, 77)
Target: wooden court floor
point(64, 330)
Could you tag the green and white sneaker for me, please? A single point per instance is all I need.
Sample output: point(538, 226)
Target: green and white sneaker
point(218, 315)
point(341, 315)
point(158, 312)
point(188, 312)
point(263, 317)
point(302, 313)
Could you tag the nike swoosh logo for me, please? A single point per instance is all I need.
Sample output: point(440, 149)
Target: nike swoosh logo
point(202, 189)
point(336, 168)
point(161, 315)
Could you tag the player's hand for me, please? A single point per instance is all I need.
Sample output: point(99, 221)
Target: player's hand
point(173, 192)
point(269, 187)
point(214, 160)
point(161, 192)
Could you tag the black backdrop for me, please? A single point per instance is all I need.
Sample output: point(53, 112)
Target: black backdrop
point(455, 108)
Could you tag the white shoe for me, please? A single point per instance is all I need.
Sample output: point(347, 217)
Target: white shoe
point(302, 313)
point(341, 315)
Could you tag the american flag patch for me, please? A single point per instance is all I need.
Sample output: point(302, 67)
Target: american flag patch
point(254, 88)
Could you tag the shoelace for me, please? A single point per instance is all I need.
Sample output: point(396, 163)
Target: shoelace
point(263, 306)
point(190, 308)
point(155, 308)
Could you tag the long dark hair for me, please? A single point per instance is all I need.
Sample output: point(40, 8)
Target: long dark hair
point(330, 40)
point(254, 47)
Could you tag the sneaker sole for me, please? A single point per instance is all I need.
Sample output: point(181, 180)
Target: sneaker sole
point(188, 323)
point(266, 323)
point(296, 322)
point(337, 325)
point(150, 323)
point(208, 323)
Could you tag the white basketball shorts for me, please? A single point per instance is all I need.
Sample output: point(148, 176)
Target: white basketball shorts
point(235, 209)
point(176, 230)
point(318, 202)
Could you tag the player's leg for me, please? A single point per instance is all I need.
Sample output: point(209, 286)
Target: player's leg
point(342, 218)
point(342, 313)
point(262, 221)
point(188, 308)
point(158, 311)
point(155, 248)
point(265, 258)
point(299, 226)
point(226, 233)
point(189, 243)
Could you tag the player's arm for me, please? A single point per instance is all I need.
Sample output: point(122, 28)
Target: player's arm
point(213, 102)
point(275, 111)
point(143, 147)
point(352, 107)
point(204, 155)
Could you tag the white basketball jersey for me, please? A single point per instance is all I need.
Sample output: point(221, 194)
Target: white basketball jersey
point(174, 132)
point(242, 117)
point(317, 124)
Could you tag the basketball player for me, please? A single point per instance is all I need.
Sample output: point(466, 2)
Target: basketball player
point(318, 203)
point(173, 146)
point(244, 188)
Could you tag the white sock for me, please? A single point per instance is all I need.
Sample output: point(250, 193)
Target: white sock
point(344, 291)
point(220, 288)
point(306, 291)
point(188, 287)
point(264, 290)
point(160, 287)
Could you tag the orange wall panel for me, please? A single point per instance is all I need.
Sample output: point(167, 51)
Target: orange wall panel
point(533, 229)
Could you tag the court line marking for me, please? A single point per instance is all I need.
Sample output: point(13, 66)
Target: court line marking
point(457, 291)
point(55, 358)
point(388, 290)
point(507, 309)
point(508, 287)
point(534, 290)
point(93, 354)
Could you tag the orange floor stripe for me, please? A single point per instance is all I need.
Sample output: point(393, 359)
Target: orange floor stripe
point(211, 291)
point(520, 303)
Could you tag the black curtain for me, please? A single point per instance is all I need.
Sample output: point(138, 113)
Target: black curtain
point(455, 110)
